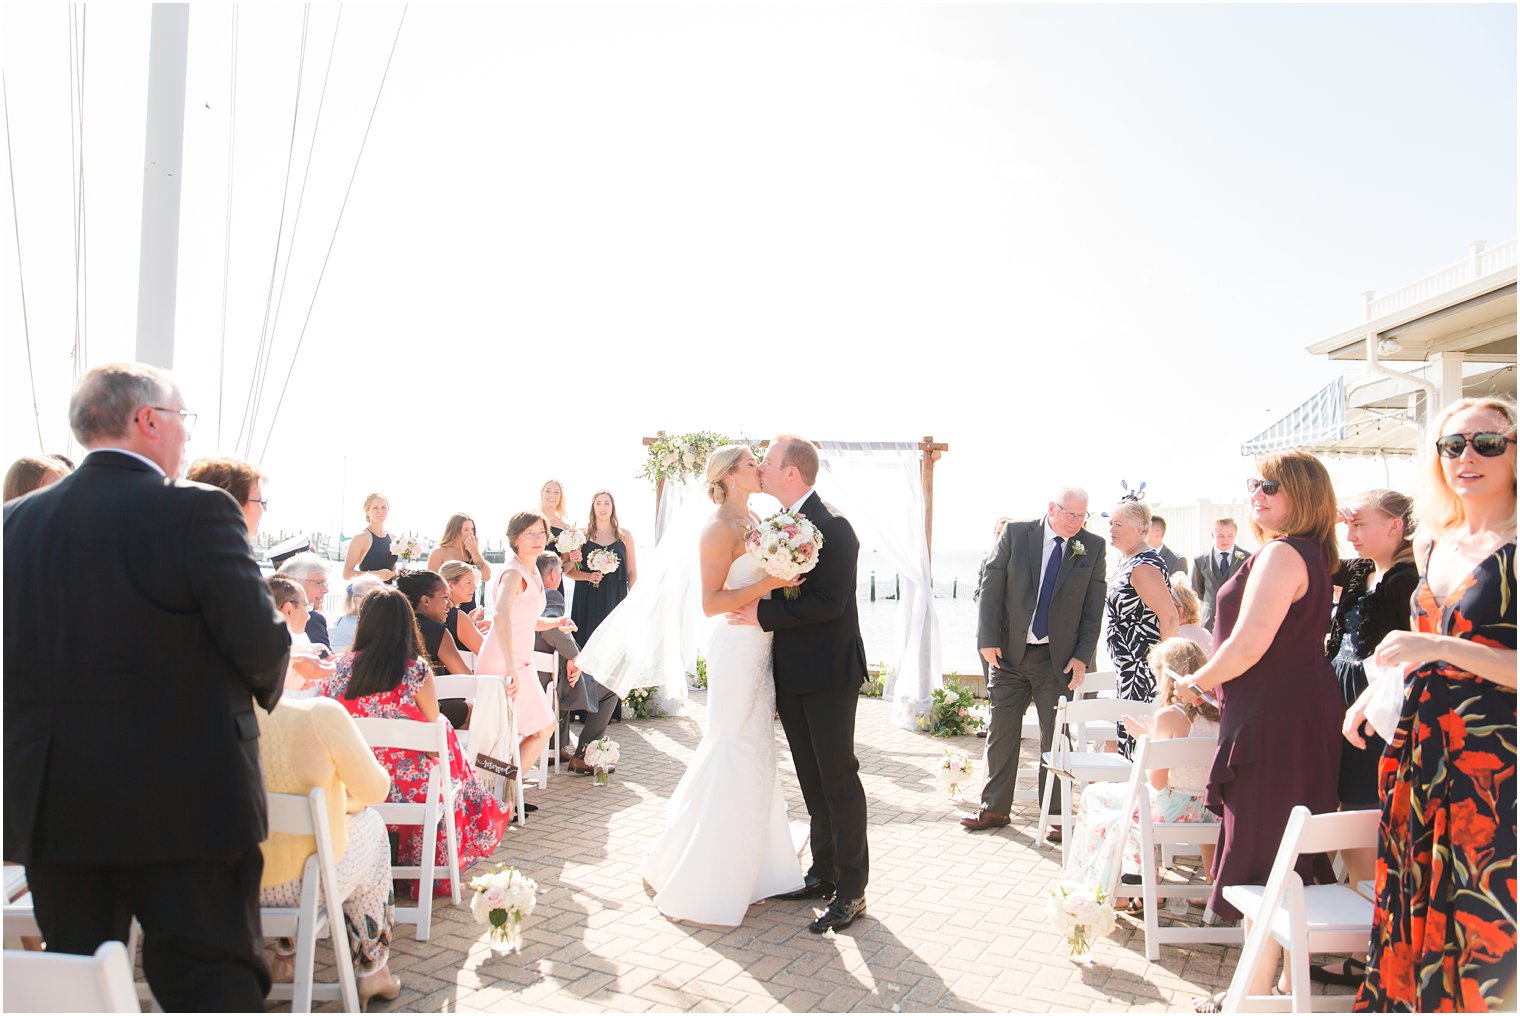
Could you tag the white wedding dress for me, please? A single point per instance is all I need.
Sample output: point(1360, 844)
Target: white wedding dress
point(726, 842)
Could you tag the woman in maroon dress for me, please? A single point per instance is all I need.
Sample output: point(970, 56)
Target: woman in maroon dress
point(1280, 704)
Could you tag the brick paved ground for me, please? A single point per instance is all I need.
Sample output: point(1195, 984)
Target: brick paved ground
point(956, 920)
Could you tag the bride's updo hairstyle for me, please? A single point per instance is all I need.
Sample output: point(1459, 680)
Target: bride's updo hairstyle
point(719, 464)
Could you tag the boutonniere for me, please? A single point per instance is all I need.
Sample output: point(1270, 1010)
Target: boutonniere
point(1240, 555)
point(1078, 549)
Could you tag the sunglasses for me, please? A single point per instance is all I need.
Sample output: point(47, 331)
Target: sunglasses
point(1267, 487)
point(1485, 443)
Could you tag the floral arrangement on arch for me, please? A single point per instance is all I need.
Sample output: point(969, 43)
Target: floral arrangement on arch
point(681, 457)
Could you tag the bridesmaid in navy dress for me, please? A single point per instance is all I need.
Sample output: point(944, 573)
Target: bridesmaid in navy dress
point(370, 550)
point(596, 594)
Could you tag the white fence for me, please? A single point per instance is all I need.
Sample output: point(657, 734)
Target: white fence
point(1479, 264)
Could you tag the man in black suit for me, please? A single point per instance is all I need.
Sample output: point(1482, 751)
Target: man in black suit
point(1214, 567)
point(1040, 609)
point(132, 781)
point(819, 660)
point(1157, 539)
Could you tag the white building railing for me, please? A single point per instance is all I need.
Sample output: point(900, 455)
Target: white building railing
point(1477, 265)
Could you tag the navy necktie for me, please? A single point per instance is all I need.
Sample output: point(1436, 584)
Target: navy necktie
point(1041, 627)
point(1224, 562)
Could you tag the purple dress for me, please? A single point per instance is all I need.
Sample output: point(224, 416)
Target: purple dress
point(1279, 734)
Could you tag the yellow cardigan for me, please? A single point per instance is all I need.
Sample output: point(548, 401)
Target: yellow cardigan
point(309, 743)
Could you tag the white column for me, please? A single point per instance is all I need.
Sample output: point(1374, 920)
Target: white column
point(1449, 381)
point(163, 150)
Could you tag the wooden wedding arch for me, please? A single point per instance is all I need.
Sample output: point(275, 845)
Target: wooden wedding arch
point(929, 452)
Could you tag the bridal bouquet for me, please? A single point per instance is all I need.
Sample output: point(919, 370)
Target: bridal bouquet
point(954, 770)
point(570, 539)
point(786, 545)
point(602, 755)
point(503, 897)
point(1082, 913)
point(603, 560)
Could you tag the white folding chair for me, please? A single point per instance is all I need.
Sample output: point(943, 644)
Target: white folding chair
point(468, 658)
point(458, 686)
point(438, 806)
point(320, 912)
point(548, 663)
point(19, 919)
point(59, 982)
point(1070, 761)
point(1189, 752)
point(1098, 684)
point(1303, 919)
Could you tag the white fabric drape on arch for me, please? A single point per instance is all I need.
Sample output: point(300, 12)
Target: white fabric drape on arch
point(877, 486)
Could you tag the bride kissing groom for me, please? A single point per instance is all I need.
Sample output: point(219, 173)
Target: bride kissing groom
point(727, 843)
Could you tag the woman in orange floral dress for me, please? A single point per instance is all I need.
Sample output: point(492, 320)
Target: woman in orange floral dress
point(1443, 935)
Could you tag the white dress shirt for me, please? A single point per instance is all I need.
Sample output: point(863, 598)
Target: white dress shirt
point(798, 506)
point(1046, 546)
point(127, 451)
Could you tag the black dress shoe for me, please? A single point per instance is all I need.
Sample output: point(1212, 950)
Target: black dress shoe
point(839, 916)
point(812, 889)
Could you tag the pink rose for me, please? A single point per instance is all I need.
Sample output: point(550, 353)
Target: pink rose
point(495, 899)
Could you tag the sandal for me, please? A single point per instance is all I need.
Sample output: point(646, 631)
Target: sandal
point(1210, 1003)
point(1350, 975)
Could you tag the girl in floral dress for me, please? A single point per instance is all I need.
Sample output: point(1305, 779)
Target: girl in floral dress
point(384, 678)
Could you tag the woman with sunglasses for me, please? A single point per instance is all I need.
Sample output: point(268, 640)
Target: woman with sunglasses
point(1443, 932)
point(1280, 705)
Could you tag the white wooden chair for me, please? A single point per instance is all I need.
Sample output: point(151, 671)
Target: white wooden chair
point(1303, 919)
point(320, 912)
point(20, 920)
point(470, 688)
point(1175, 753)
point(414, 735)
point(1098, 684)
point(1070, 761)
point(548, 663)
point(59, 982)
point(468, 658)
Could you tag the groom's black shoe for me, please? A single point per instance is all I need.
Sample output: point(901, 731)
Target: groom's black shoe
point(812, 889)
point(839, 916)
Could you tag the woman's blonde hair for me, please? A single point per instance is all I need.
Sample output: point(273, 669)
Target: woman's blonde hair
point(720, 463)
point(1183, 657)
point(1437, 509)
point(545, 487)
point(369, 500)
point(1395, 506)
point(1136, 511)
point(453, 571)
point(353, 597)
point(1311, 502)
point(1187, 604)
point(454, 528)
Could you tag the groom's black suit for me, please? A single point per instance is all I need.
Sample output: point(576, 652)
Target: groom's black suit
point(820, 663)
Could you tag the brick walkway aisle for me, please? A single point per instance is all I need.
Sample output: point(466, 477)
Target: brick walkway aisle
point(956, 920)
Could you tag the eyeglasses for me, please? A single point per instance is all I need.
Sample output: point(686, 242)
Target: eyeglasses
point(260, 501)
point(1486, 443)
point(1074, 516)
point(1267, 487)
point(187, 418)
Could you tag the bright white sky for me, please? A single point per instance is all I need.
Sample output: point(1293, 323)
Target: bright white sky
point(1077, 243)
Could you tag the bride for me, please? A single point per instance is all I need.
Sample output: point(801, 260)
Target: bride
point(726, 842)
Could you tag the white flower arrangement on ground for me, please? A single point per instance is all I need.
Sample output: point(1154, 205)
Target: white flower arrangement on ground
point(787, 545)
point(1080, 912)
point(503, 897)
point(602, 753)
point(406, 547)
point(604, 561)
point(955, 769)
point(570, 539)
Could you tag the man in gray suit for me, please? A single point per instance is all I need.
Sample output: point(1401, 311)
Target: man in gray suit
point(1041, 606)
point(1157, 539)
point(1213, 568)
point(578, 691)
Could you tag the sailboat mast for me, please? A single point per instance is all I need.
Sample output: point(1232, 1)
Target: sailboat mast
point(163, 154)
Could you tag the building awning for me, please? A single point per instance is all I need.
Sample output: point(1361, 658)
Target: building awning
point(1320, 421)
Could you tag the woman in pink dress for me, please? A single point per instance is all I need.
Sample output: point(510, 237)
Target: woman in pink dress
point(508, 649)
point(384, 678)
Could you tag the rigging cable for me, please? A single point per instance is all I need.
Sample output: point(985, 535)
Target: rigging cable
point(84, 217)
point(334, 239)
point(26, 327)
point(250, 406)
point(221, 377)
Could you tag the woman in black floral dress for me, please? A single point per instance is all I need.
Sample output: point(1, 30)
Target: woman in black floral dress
point(1139, 606)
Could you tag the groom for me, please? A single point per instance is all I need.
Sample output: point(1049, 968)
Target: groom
point(820, 664)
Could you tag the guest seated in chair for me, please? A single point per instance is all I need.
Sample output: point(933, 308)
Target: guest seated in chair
point(314, 743)
point(384, 677)
point(577, 691)
point(342, 630)
point(311, 571)
point(1177, 795)
point(429, 597)
point(465, 620)
point(307, 668)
